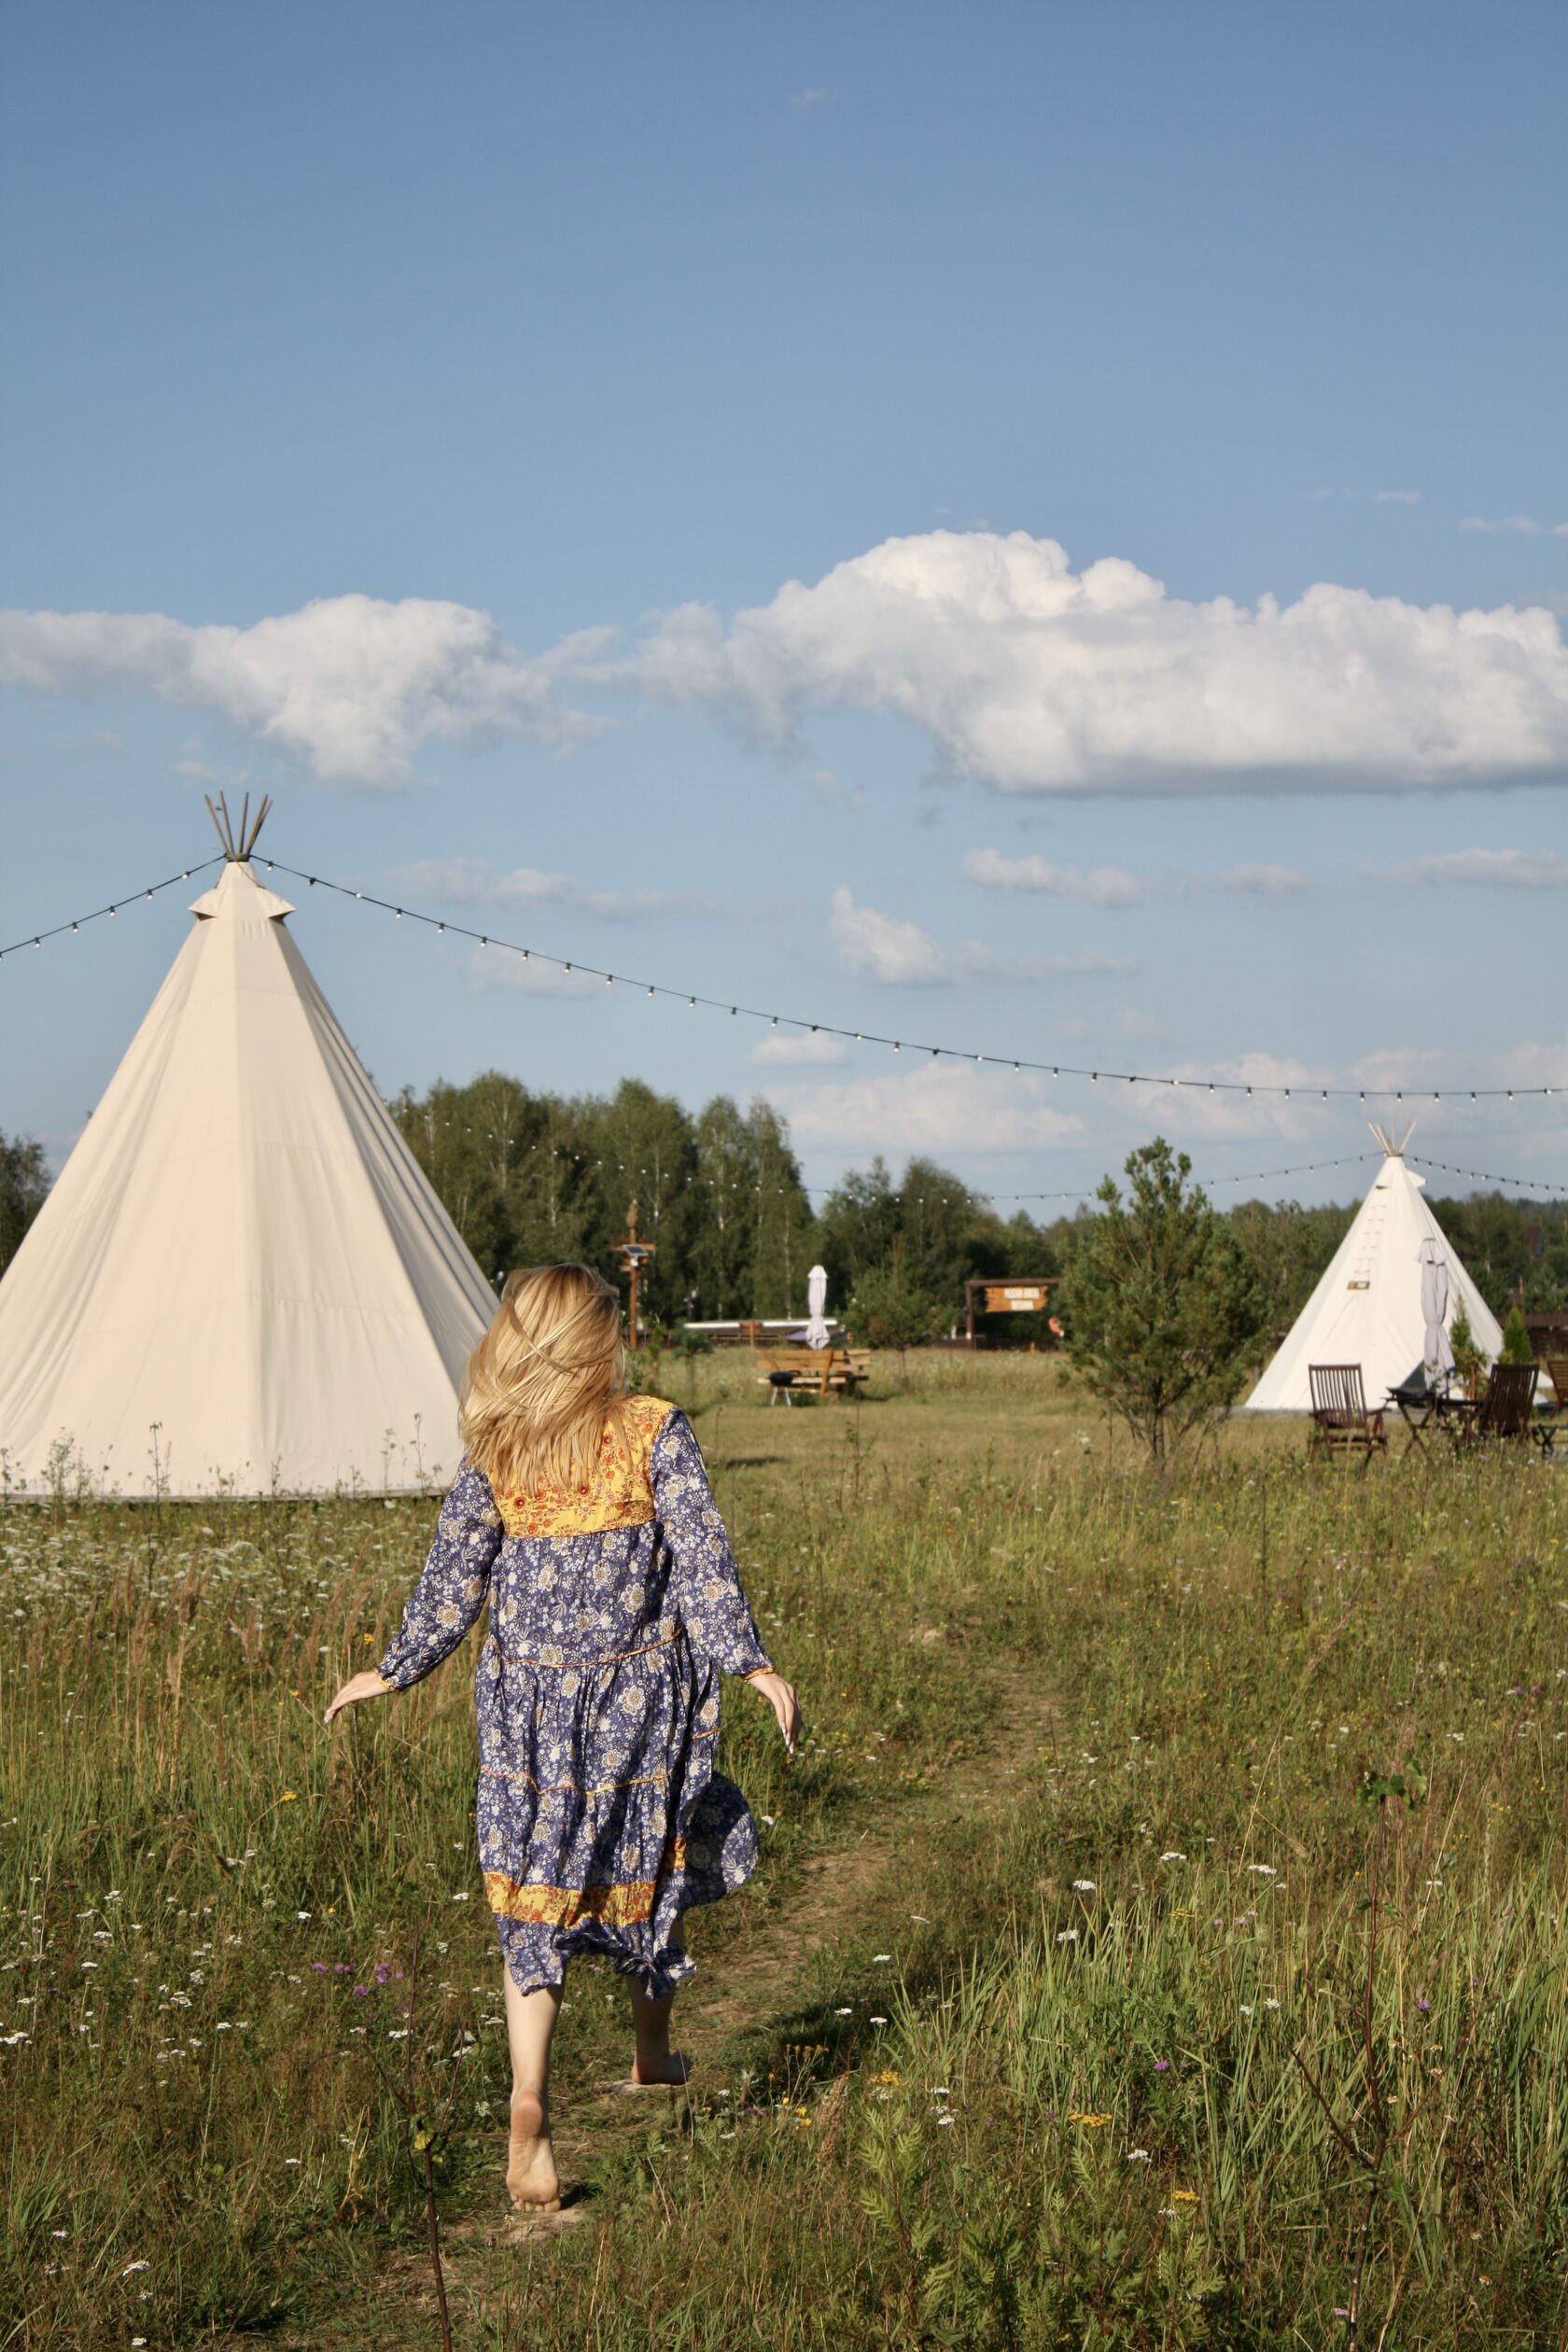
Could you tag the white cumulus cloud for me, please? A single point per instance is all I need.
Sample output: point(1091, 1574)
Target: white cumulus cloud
point(798, 1049)
point(938, 1107)
point(1033, 678)
point(469, 882)
point(352, 686)
point(1114, 886)
point(1507, 868)
point(1526, 524)
point(897, 953)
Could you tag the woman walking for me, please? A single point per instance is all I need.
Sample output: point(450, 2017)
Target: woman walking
point(585, 1515)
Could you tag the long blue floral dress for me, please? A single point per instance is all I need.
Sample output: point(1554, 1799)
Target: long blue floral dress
point(613, 1608)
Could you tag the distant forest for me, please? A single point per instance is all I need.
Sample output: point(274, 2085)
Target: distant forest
point(533, 1177)
point(530, 1178)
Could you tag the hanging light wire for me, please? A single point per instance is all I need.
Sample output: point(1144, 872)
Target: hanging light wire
point(899, 1045)
point(148, 890)
point(443, 926)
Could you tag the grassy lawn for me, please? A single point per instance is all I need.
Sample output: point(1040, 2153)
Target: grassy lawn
point(1087, 1994)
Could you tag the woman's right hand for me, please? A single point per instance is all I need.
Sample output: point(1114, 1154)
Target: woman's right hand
point(780, 1697)
point(368, 1685)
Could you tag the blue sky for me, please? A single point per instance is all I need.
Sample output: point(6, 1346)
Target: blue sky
point(402, 405)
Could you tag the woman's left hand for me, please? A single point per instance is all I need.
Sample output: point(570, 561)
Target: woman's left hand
point(368, 1685)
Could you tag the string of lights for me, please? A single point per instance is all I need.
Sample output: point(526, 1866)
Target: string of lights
point(1258, 1176)
point(151, 889)
point(696, 999)
point(1529, 1184)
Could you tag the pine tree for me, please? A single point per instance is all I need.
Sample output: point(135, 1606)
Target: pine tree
point(1160, 1305)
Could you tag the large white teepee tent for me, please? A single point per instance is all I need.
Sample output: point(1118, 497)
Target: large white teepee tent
point(241, 1270)
point(1368, 1307)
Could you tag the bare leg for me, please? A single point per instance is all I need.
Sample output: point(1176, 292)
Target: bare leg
point(655, 2061)
point(531, 2176)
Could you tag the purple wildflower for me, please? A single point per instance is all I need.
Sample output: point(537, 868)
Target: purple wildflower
point(1162, 2065)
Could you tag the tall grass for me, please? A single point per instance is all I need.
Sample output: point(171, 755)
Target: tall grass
point(1143, 2067)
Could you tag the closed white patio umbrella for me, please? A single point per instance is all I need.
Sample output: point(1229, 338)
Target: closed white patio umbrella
point(1436, 1354)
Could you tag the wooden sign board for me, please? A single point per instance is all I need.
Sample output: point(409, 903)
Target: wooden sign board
point(1017, 1298)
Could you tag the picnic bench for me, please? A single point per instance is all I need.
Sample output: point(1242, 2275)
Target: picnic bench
point(811, 1371)
point(1340, 1421)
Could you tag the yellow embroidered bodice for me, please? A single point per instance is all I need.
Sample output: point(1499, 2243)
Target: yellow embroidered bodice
point(619, 1493)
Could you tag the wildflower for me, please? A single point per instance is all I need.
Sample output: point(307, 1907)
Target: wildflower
point(1423, 2004)
point(289, 1797)
point(766, 1820)
point(943, 2120)
point(461, 1896)
point(1271, 2004)
point(1067, 1935)
point(1174, 1856)
point(889, 2076)
point(881, 1955)
point(320, 1967)
point(1138, 2156)
point(1263, 1869)
point(301, 1914)
point(1083, 1887)
point(382, 1973)
point(1162, 2065)
point(1184, 2196)
point(1090, 2122)
point(843, 2012)
point(880, 2021)
point(1246, 2008)
point(132, 2267)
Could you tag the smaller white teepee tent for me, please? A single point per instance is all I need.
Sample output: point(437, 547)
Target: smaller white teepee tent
point(241, 1265)
point(1370, 1306)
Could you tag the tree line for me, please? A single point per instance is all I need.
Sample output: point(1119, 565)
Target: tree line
point(529, 1178)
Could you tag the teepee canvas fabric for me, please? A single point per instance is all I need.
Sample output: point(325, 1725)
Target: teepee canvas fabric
point(241, 1280)
point(1370, 1306)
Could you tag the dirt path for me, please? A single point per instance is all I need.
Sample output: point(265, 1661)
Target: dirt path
point(751, 1996)
point(756, 1991)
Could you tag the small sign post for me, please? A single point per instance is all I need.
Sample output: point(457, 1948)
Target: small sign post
point(634, 1255)
point(1007, 1298)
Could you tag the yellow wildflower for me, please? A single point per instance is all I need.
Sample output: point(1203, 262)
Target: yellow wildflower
point(1183, 2196)
point(888, 2076)
point(1090, 2122)
point(289, 1797)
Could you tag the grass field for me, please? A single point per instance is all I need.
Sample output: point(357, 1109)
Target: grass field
point(1087, 1996)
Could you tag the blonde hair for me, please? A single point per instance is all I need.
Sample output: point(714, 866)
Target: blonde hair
point(546, 1380)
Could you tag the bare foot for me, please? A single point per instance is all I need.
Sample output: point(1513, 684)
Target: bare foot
point(532, 2180)
point(670, 2067)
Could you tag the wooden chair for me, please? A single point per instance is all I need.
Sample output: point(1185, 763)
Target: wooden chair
point(1507, 1407)
point(1546, 1426)
point(1340, 1421)
point(813, 1371)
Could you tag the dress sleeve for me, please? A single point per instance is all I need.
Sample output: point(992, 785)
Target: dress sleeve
point(451, 1590)
point(704, 1582)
